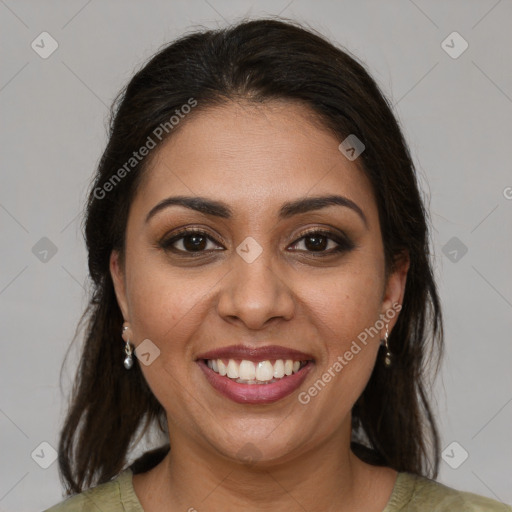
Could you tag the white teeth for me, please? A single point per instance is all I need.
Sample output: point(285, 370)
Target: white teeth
point(252, 373)
point(222, 367)
point(279, 369)
point(233, 370)
point(247, 370)
point(264, 371)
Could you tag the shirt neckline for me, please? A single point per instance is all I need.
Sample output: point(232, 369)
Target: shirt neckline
point(129, 499)
point(400, 495)
point(402, 492)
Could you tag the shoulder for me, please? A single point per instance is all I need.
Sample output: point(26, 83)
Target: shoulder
point(114, 496)
point(413, 493)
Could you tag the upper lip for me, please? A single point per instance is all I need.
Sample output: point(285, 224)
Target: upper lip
point(269, 352)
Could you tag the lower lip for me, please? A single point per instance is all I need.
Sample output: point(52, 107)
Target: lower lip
point(255, 393)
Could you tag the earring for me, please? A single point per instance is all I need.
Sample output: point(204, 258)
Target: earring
point(128, 360)
point(388, 357)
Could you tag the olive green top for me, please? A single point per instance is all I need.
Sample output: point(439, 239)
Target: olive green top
point(411, 493)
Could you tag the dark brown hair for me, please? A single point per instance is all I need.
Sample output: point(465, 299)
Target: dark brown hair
point(257, 61)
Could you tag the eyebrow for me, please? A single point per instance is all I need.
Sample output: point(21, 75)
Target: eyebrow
point(287, 210)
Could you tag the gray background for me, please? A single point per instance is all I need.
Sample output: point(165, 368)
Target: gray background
point(457, 117)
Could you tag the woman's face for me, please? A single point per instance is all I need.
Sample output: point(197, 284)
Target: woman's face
point(258, 275)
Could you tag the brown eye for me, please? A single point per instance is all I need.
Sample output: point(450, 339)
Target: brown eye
point(316, 243)
point(194, 242)
point(319, 241)
point(190, 241)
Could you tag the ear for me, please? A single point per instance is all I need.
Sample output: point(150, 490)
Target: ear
point(395, 286)
point(118, 278)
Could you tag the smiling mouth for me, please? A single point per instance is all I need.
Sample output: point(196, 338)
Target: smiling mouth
point(259, 373)
point(255, 375)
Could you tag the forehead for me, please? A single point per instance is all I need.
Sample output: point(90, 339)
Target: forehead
point(254, 157)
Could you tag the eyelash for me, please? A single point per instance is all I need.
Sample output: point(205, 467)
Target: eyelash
point(344, 245)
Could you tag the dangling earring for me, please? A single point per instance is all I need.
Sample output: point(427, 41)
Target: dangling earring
point(128, 360)
point(388, 357)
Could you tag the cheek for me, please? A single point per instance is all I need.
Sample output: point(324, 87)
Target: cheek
point(163, 300)
point(347, 301)
point(166, 308)
point(345, 309)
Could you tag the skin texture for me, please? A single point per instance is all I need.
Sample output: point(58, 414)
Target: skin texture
point(255, 158)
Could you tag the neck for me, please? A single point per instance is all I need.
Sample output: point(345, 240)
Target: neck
point(326, 477)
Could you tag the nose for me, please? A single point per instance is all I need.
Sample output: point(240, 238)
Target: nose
point(255, 293)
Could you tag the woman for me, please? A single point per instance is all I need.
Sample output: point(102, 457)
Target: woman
point(263, 291)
